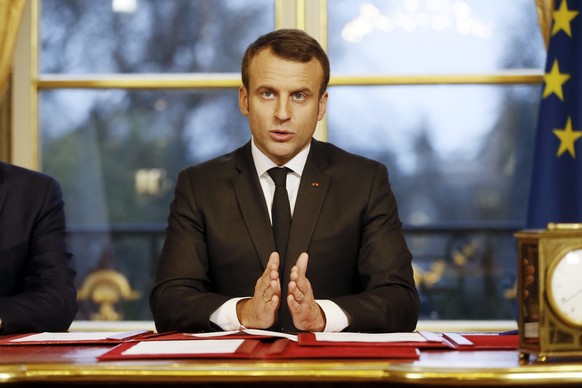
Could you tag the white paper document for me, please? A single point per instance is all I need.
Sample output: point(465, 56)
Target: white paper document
point(222, 346)
point(292, 337)
point(258, 332)
point(73, 337)
point(370, 337)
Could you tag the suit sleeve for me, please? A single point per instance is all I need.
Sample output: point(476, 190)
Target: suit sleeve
point(181, 299)
point(46, 299)
point(389, 300)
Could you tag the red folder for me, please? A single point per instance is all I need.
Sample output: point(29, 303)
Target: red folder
point(245, 350)
point(293, 350)
point(173, 336)
point(482, 341)
point(279, 349)
point(432, 341)
point(113, 339)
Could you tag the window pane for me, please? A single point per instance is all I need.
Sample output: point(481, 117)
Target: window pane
point(433, 36)
point(149, 36)
point(459, 159)
point(455, 153)
point(117, 155)
point(459, 156)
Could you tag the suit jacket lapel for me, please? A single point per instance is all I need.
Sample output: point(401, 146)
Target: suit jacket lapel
point(252, 204)
point(310, 198)
point(312, 191)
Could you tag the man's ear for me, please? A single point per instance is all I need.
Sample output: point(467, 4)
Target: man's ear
point(322, 106)
point(243, 101)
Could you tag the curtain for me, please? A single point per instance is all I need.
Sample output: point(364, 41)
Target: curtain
point(10, 16)
point(544, 9)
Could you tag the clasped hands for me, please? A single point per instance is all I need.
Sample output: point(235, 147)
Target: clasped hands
point(259, 312)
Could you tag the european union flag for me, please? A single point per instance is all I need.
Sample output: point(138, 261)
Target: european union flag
point(556, 184)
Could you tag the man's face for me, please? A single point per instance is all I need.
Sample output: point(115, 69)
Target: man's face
point(282, 104)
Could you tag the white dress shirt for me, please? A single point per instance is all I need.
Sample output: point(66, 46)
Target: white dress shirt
point(225, 316)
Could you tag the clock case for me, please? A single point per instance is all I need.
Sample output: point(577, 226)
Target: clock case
point(542, 331)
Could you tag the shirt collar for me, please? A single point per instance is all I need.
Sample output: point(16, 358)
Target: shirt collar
point(263, 163)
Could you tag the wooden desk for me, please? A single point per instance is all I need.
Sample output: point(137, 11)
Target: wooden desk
point(63, 365)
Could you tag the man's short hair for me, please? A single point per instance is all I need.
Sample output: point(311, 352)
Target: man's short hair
point(291, 44)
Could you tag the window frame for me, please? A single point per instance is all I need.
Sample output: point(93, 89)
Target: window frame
point(308, 15)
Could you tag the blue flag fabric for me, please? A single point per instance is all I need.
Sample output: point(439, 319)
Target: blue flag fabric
point(556, 182)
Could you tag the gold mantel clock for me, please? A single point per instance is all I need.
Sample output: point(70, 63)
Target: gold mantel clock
point(549, 290)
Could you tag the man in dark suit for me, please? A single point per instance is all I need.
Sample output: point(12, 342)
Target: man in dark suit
point(219, 268)
point(36, 283)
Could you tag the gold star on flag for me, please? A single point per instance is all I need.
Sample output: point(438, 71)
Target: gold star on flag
point(554, 81)
point(567, 138)
point(562, 18)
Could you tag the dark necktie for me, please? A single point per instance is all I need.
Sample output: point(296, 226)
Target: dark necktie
point(280, 211)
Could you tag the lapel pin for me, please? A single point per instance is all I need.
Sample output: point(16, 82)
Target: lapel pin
point(315, 184)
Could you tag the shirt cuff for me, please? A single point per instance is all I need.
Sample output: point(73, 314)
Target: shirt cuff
point(335, 318)
point(225, 316)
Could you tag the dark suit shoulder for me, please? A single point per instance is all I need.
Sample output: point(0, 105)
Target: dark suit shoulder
point(20, 179)
point(340, 153)
point(220, 165)
point(335, 159)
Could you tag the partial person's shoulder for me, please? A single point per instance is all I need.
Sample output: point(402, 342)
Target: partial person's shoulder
point(221, 164)
point(339, 157)
point(13, 174)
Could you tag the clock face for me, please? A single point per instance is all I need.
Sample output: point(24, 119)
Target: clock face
point(565, 287)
